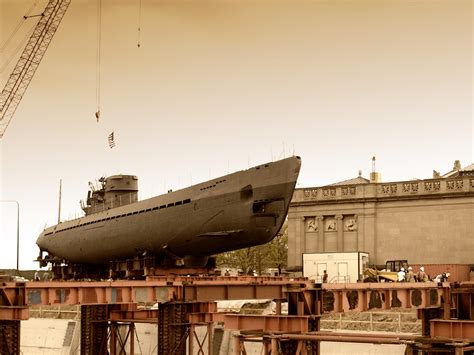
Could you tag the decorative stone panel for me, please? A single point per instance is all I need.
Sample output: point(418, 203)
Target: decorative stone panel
point(310, 194)
point(389, 188)
point(348, 190)
point(454, 184)
point(329, 192)
point(330, 225)
point(311, 224)
point(350, 223)
point(431, 185)
point(410, 187)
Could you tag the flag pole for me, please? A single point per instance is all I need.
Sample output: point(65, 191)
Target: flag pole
point(59, 209)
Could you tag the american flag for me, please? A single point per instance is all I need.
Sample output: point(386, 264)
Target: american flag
point(111, 140)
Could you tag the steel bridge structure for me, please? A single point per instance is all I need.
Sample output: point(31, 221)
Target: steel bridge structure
point(186, 303)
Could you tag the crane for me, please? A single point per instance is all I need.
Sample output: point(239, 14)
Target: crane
point(29, 60)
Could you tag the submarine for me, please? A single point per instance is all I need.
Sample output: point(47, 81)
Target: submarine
point(238, 210)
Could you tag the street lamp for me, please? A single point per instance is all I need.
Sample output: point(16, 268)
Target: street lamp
point(17, 232)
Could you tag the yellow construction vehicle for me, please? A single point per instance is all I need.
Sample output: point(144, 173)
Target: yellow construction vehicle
point(388, 274)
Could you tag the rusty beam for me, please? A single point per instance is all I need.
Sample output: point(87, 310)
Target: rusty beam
point(10, 337)
point(193, 336)
point(366, 296)
point(187, 289)
point(14, 313)
point(366, 335)
point(260, 323)
point(13, 306)
point(201, 318)
point(150, 315)
point(69, 292)
point(341, 338)
point(453, 329)
point(232, 291)
point(304, 295)
point(94, 326)
point(266, 323)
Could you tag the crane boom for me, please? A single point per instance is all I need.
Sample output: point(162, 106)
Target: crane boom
point(29, 60)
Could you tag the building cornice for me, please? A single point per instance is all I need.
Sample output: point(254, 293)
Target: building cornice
point(461, 186)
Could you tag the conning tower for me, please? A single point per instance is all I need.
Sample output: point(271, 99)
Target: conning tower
point(113, 191)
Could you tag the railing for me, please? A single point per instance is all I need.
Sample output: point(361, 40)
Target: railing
point(121, 200)
point(55, 311)
point(335, 279)
point(340, 279)
point(317, 278)
point(388, 189)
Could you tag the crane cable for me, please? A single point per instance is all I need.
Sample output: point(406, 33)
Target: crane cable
point(139, 22)
point(20, 46)
point(20, 23)
point(21, 43)
point(97, 75)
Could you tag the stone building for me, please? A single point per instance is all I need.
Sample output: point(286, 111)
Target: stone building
point(427, 221)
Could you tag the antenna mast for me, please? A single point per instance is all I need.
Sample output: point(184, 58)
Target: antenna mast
point(374, 175)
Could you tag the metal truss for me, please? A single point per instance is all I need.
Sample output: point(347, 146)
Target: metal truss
point(26, 66)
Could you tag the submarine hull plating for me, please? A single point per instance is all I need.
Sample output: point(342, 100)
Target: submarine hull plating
point(238, 210)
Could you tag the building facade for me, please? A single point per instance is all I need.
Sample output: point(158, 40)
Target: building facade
point(424, 221)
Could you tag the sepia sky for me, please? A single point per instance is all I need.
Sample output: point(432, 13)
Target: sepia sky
point(221, 85)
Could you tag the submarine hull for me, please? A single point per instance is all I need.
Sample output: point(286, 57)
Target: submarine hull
point(235, 211)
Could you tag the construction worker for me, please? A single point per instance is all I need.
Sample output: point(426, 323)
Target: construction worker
point(444, 276)
point(325, 277)
point(401, 275)
point(422, 276)
point(410, 276)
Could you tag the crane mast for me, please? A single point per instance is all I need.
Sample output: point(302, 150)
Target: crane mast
point(29, 60)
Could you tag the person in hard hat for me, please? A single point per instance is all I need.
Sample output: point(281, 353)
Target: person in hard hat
point(401, 275)
point(422, 276)
point(444, 276)
point(410, 276)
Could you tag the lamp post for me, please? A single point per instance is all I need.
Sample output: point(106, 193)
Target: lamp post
point(17, 232)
